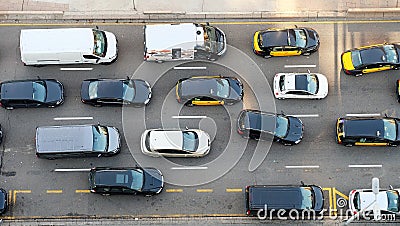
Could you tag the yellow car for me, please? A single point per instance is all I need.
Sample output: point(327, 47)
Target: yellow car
point(285, 42)
point(371, 58)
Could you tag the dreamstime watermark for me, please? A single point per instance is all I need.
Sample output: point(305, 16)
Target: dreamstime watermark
point(163, 107)
point(309, 214)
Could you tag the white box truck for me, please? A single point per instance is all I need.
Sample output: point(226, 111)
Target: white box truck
point(67, 46)
point(187, 41)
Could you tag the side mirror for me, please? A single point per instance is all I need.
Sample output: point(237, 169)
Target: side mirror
point(391, 187)
point(186, 128)
point(39, 77)
point(386, 115)
point(97, 27)
point(308, 71)
point(283, 113)
point(295, 26)
point(99, 155)
point(302, 183)
point(208, 24)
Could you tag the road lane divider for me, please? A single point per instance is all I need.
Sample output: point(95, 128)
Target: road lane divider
point(365, 166)
point(190, 68)
point(363, 115)
point(82, 191)
point(204, 190)
point(72, 118)
point(15, 192)
point(173, 190)
point(232, 190)
point(306, 116)
point(190, 168)
point(301, 167)
point(300, 66)
point(54, 191)
point(71, 170)
point(189, 116)
point(76, 69)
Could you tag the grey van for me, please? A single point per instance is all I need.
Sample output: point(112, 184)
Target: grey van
point(77, 141)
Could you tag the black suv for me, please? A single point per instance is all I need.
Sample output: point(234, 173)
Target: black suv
point(265, 198)
point(368, 131)
point(259, 125)
point(3, 201)
point(130, 180)
point(31, 93)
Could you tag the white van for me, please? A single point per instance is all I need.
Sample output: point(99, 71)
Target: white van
point(188, 41)
point(67, 46)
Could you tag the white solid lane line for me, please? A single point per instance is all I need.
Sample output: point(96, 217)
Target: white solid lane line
point(76, 69)
point(300, 167)
point(190, 68)
point(189, 116)
point(191, 168)
point(73, 118)
point(363, 115)
point(306, 116)
point(365, 166)
point(302, 66)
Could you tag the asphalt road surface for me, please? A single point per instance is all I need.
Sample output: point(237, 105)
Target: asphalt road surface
point(219, 178)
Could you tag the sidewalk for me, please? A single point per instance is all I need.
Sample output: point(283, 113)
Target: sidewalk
point(196, 9)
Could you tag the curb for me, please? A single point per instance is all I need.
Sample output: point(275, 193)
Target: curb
point(351, 13)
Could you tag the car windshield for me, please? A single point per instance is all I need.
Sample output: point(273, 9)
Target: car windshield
point(223, 88)
point(391, 54)
point(312, 86)
point(393, 200)
point(93, 86)
point(99, 48)
point(390, 129)
point(129, 90)
point(210, 39)
point(300, 37)
point(39, 91)
point(100, 138)
point(137, 179)
point(356, 58)
point(190, 141)
point(308, 198)
point(282, 126)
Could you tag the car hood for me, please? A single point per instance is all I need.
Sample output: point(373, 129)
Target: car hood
point(323, 86)
point(153, 180)
point(236, 91)
point(204, 142)
point(85, 90)
point(55, 92)
point(142, 92)
point(114, 142)
point(312, 38)
point(295, 132)
point(318, 198)
point(3, 201)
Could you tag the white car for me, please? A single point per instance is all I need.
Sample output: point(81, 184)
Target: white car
point(175, 143)
point(300, 86)
point(387, 200)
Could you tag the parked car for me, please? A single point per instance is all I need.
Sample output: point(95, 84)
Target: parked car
point(372, 58)
point(209, 90)
point(300, 86)
point(126, 180)
point(387, 200)
point(259, 125)
point(286, 197)
point(285, 42)
point(175, 143)
point(3, 201)
point(31, 93)
point(99, 92)
point(368, 131)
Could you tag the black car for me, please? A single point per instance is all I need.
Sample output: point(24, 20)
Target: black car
point(255, 124)
point(31, 93)
point(131, 180)
point(285, 42)
point(99, 92)
point(368, 131)
point(3, 201)
point(209, 90)
point(262, 199)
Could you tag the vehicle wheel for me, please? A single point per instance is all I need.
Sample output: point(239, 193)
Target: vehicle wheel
point(348, 145)
point(51, 158)
point(395, 68)
point(97, 105)
point(159, 61)
point(229, 103)
point(105, 194)
point(393, 145)
point(9, 108)
point(306, 54)
point(358, 75)
point(281, 98)
point(51, 106)
point(267, 56)
point(287, 144)
point(148, 195)
point(189, 104)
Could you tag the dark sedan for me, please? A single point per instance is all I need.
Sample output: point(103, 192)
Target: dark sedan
point(99, 92)
point(209, 90)
point(254, 124)
point(31, 93)
point(130, 180)
point(3, 201)
point(285, 42)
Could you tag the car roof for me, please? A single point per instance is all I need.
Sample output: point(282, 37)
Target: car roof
point(17, 90)
point(296, 81)
point(287, 197)
point(199, 86)
point(363, 127)
point(366, 198)
point(166, 140)
point(275, 38)
point(372, 55)
point(109, 88)
point(114, 177)
point(260, 121)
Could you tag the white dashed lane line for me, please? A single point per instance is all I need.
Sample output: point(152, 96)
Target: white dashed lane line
point(363, 115)
point(302, 167)
point(73, 118)
point(190, 68)
point(365, 166)
point(189, 116)
point(190, 168)
point(300, 66)
point(306, 116)
point(76, 69)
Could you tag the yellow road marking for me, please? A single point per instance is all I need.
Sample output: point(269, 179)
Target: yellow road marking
point(341, 194)
point(15, 192)
point(54, 191)
point(204, 190)
point(234, 190)
point(329, 197)
point(173, 190)
point(82, 191)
